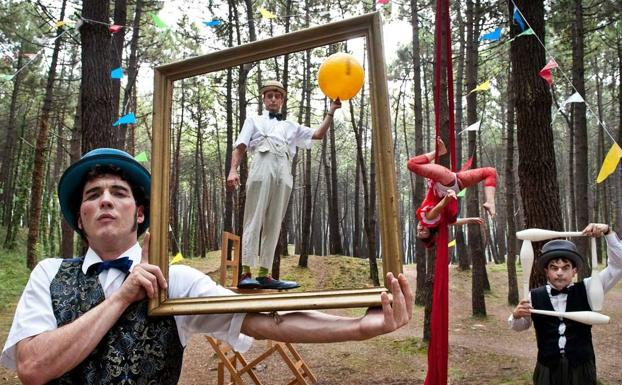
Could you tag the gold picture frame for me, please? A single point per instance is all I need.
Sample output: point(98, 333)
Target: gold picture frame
point(368, 26)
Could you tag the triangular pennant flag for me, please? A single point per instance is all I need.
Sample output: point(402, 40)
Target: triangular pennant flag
point(518, 19)
point(545, 73)
point(467, 165)
point(212, 23)
point(266, 14)
point(492, 36)
point(525, 33)
point(178, 258)
point(485, 86)
point(461, 193)
point(383, 2)
point(142, 157)
point(610, 163)
point(474, 126)
point(117, 73)
point(574, 98)
point(452, 243)
point(126, 119)
point(157, 21)
point(6, 77)
point(60, 23)
point(114, 28)
point(29, 55)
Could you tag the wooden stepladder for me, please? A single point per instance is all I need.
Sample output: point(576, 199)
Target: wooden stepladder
point(234, 362)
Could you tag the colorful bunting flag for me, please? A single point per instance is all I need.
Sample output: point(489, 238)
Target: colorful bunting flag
point(518, 19)
point(60, 23)
point(452, 243)
point(528, 31)
point(178, 258)
point(545, 73)
point(6, 77)
point(117, 73)
point(142, 157)
point(467, 165)
point(29, 55)
point(157, 21)
point(114, 28)
point(492, 36)
point(126, 119)
point(485, 86)
point(474, 126)
point(610, 163)
point(266, 14)
point(574, 98)
point(383, 2)
point(212, 23)
point(462, 192)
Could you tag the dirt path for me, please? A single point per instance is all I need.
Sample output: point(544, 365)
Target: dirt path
point(482, 351)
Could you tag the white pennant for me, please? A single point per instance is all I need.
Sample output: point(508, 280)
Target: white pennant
point(472, 127)
point(574, 98)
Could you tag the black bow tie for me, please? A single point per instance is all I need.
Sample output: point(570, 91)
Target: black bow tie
point(555, 292)
point(276, 115)
point(122, 264)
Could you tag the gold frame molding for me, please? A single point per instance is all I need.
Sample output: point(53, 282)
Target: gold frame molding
point(368, 26)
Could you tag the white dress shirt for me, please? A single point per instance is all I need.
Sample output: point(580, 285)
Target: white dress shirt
point(256, 129)
point(34, 314)
point(609, 276)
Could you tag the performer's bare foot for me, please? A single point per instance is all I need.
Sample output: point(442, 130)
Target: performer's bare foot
point(490, 208)
point(440, 146)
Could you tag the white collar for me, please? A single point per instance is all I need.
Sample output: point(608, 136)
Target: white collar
point(91, 257)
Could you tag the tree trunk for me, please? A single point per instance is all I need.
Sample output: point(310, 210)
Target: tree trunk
point(96, 91)
point(537, 169)
point(580, 131)
point(41, 150)
point(510, 194)
point(419, 188)
point(476, 249)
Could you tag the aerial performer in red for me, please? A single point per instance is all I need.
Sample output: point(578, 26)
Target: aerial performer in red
point(441, 202)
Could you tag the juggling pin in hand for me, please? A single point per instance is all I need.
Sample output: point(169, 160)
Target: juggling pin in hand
point(526, 260)
point(536, 235)
point(585, 317)
point(596, 293)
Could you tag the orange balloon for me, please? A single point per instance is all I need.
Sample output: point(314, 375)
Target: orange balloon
point(341, 76)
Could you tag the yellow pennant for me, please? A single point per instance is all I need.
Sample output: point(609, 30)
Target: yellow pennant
point(610, 163)
point(266, 14)
point(60, 23)
point(178, 258)
point(485, 86)
point(452, 243)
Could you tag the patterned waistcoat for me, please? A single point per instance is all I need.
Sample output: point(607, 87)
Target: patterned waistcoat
point(137, 350)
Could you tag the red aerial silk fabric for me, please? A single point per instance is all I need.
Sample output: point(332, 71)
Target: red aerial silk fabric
point(438, 347)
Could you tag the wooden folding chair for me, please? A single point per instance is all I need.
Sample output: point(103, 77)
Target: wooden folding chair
point(229, 358)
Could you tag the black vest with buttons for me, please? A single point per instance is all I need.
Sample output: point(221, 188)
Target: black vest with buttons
point(579, 347)
point(137, 350)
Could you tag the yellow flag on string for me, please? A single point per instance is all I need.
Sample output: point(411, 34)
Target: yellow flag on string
point(452, 243)
point(60, 23)
point(485, 86)
point(610, 163)
point(266, 14)
point(178, 258)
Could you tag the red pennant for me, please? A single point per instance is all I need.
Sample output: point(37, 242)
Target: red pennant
point(383, 2)
point(114, 28)
point(545, 73)
point(467, 165)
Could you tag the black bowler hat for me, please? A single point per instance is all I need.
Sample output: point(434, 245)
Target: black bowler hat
point(73, 178)
point(559, 248)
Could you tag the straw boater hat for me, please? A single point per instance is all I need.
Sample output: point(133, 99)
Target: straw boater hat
point(273, 85)
point(559, 248)
point(72, 181)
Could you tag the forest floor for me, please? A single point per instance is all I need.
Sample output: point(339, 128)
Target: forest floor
point(482, 350)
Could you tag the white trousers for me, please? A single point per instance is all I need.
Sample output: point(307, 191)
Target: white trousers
point(268, 188)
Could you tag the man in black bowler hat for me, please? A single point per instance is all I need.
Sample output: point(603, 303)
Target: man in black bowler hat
point(565, 351)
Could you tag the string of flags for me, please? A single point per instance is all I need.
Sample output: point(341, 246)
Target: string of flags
point(614, 155)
